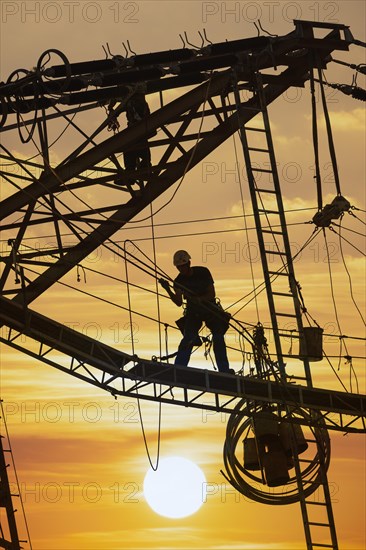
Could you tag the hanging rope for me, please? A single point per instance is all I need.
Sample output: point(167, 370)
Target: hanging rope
point(329, 132)
point(349, 276)
point(156, 465)
point(341, 339)
point(315, 141)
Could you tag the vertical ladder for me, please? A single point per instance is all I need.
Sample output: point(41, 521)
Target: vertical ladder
point(267, 203)
point(319, 533)
point(268, 210)
point(8, 533)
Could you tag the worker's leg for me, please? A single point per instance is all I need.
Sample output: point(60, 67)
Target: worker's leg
point(145, 156)
point(218, 329)
point(192, 326)
point(130, 159)
point(219, 347)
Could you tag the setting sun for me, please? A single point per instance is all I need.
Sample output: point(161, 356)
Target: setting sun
point(175, 489)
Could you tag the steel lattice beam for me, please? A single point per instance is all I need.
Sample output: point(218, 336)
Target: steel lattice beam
point(122, 374)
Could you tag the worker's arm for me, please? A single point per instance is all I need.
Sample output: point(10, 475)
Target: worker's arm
point(176, 295)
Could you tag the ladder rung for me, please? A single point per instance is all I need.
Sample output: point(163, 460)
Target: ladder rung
point(262, 170)
point(272, 232)
point(287, 294)
point(286, 314)
point(322, 545)
point(283, 335)
point(281, 273)
point(315, 503)
point(258, 149)
point(268, 211)
point(275, 252)
point(272, 191)
point(318, 524)
point(252, 129)
point(295, 377)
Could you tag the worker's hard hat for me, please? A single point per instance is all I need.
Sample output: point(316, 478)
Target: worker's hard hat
point(181, 257)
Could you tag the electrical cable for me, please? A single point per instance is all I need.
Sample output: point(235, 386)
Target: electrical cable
point(186, 168)
point(354, 216)
point(346, 240)
point(349, 279)
point(154, 467)
point(348, 229)
point(274, 276)
point(104, 300)
point(196, 144)
point(236, 320)
point(182, 222)
point(341, 340)
point(107, 275)
point(107, 301)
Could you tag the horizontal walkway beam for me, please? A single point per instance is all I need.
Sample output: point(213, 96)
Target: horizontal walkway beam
point(123, 374)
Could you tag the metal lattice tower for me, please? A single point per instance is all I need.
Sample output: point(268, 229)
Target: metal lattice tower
point(58, 91)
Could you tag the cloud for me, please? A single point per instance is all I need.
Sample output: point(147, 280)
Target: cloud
point(345, 121)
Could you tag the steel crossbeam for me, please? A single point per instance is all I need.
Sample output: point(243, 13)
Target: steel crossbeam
point(122, 374)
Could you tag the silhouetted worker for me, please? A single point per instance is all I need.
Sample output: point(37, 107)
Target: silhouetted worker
point(138, 156)
point(196, 285)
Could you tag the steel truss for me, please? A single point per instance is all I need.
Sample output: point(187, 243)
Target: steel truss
point(222, 94)
point(49, 201)
point(125, 375)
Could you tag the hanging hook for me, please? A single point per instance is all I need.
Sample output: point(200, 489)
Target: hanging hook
point(256, 26)
point(129, 47)
point(126, 50)
point(182, 39)
point(202, 38)
point(205, 35)
point(105, 51)
point(264, 30)
point(109, 50)
point(78, 273)
point(188, 42)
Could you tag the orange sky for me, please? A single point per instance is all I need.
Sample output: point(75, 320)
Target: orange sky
point(80, 455)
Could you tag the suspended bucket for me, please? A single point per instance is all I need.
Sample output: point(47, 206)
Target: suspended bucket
point(265, 425)
point(288, 431)
point(311, 344)
point(275, 468)
point(251, 461)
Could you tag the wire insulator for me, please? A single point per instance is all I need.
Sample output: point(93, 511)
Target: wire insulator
point(359, 93)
